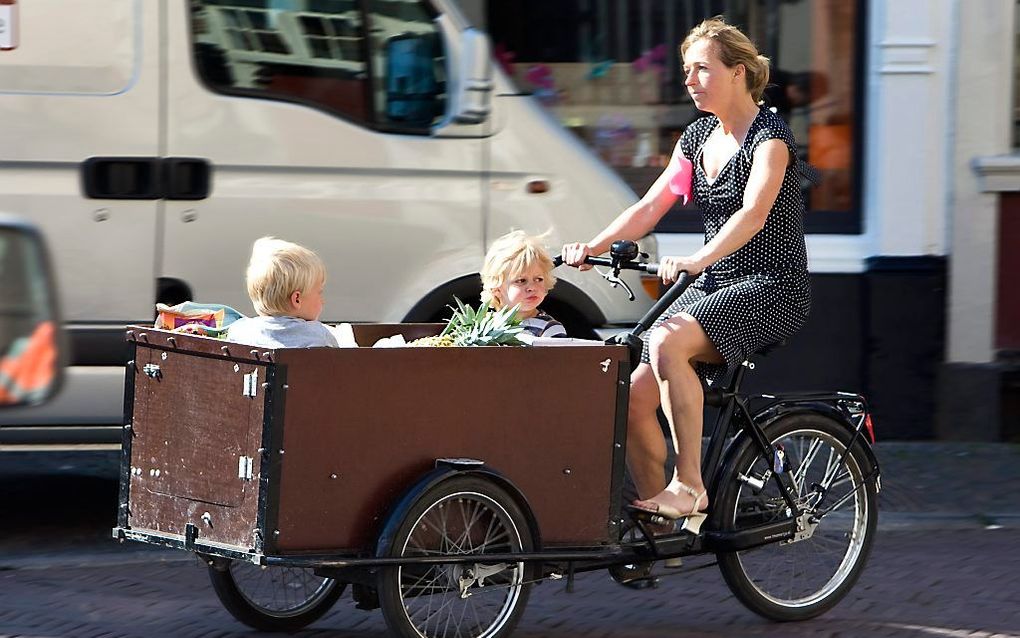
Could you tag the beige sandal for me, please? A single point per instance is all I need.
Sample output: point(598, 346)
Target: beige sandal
point(692, 519)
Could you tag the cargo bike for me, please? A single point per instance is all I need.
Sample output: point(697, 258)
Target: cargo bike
point(442, 484)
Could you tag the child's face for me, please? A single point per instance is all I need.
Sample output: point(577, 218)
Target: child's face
point(527, 289)
point(307, 304)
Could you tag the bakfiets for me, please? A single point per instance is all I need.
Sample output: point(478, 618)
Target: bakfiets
point(407, 474)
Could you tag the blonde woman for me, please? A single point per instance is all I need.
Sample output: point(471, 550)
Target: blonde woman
point(752, 285)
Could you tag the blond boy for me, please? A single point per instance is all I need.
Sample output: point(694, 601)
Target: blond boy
point(518, 272)
point(285, 282)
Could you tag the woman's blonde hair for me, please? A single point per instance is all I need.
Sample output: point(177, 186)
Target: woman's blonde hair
point(276, 270)
point(508, 257)
point(733, 48)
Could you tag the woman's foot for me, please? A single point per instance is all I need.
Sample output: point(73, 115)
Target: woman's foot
point(678, 500)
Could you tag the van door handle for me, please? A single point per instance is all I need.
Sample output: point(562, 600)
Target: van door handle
point(187, 178)
point(122, 178)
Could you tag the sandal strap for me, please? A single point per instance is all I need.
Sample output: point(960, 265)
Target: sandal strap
point(694, 493)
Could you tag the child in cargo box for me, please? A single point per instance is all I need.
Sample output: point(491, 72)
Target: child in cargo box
point(285, 283)
point(518, 272)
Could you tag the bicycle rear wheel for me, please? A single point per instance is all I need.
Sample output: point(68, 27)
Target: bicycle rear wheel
point(274, 598)
point(804, 577)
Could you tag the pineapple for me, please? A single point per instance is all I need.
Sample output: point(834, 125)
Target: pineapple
point(438, 341)
point(481, 327)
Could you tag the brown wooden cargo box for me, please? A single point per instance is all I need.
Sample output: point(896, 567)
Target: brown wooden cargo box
point(295, 451)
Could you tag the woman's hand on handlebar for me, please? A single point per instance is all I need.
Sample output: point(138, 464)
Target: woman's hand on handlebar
point(575, 254)
point(671, 267)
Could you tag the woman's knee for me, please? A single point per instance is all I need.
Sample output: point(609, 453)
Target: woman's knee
point(671, 342)
point(644, 393)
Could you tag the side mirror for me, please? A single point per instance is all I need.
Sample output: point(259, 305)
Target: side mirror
point(31, 338)
point(472, 98)
point(412, 91)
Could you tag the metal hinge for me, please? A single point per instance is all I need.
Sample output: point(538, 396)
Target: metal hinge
point(251, 383)
point(244, 468)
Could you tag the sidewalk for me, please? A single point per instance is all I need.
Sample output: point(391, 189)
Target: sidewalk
point(933, 484)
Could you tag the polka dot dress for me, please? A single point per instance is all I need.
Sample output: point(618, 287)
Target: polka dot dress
point(760, 294)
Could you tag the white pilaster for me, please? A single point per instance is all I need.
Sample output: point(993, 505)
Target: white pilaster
point(984, 118)
point(908, 138)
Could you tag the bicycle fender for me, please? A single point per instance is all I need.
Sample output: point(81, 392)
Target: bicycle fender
point(444, 470)
point(772, 413)
point(769, 415)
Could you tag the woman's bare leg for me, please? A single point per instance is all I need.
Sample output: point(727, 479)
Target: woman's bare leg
point(646, 449)
point(675, 347)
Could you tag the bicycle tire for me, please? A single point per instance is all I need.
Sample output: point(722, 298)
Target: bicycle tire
point(774, 580)
point(461, 515)
point(274, 598)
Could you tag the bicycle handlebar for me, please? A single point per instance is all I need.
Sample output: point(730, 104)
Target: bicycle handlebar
point(651, 269)
point(624, 260)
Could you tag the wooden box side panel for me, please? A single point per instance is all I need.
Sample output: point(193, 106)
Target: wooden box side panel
point(377, 419)
point(195, 445)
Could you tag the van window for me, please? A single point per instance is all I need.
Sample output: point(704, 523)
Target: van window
point(380, 63)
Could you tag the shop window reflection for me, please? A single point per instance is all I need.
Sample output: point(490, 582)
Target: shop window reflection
point(613, 77)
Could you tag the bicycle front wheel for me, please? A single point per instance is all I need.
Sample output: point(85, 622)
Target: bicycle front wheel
point(806, 576)
point(462, 516)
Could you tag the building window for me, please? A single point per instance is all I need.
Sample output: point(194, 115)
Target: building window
point(613, 77)
point(379, 63)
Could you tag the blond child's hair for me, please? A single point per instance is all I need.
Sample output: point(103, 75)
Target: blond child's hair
point(508, 257)
point(276, 270)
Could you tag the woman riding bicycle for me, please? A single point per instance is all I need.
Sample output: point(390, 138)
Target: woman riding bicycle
point(753, 288)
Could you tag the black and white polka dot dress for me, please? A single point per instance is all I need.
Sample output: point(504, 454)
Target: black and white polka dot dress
point(760, 294)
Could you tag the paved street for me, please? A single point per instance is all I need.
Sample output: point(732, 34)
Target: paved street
point(952, 583)
point(944, 565)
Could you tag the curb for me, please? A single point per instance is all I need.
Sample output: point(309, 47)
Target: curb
point(93, 557)
point(902, 521)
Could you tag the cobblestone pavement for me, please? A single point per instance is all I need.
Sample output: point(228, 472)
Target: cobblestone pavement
point(938, 584)
point(945, 564)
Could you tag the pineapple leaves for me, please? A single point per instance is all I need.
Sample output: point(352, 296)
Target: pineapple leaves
point(483, 326)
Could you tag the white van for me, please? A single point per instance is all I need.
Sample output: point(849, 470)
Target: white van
point(154, 140)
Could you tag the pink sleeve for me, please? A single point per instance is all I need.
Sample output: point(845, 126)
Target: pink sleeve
point(681, 171)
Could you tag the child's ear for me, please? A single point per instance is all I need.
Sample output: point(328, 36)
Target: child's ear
point(295, 299)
